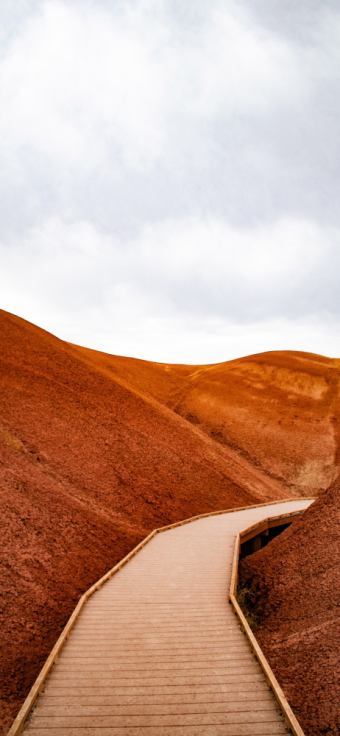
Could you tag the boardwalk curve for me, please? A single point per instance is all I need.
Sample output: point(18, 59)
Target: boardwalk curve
point(158, 650)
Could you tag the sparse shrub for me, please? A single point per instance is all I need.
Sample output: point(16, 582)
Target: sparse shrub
point(247, 603)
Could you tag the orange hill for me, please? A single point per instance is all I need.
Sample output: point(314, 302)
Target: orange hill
point(294, 583)
point(97, 450)
point(275, 411)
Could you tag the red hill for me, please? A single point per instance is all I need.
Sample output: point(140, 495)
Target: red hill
point(295, 581)
point(97, 450)
point(276, 410)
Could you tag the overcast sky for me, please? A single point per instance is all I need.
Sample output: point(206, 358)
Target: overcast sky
point(169, 174)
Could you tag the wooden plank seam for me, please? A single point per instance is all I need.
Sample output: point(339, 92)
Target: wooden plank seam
point(19, 722)
point(290, 719)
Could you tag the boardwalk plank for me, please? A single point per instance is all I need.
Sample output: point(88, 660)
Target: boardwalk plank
point(179, 719)
point(236, 729)
point(57, 709)
point(158, 651)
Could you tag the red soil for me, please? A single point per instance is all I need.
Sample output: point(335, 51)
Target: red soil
point(295, 580)
point(97, 450)
point(274, 410)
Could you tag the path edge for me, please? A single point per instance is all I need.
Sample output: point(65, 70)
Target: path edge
point(290, 719)
point(19, 721)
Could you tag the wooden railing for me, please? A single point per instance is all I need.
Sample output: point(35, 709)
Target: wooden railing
point(252, 531)
point(19, 722)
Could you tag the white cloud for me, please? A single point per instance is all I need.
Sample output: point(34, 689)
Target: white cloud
point(211, 251)
point(188, 266)
point(76, 82)
point(79, 84)
point(170, 168)
point(240, 67)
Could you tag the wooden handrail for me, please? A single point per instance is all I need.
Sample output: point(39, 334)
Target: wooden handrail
point(290, 719)
point(269, 523)
point(37, 687)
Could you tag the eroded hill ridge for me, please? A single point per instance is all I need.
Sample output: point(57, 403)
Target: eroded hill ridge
point(97, 450)
point(275, 410)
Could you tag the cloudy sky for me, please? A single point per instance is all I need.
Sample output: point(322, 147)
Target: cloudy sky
point(169, 174)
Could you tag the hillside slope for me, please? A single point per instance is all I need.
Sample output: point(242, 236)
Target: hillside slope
point(89, 465)
point(97, 450)
point(275, 410)
point(295, 584)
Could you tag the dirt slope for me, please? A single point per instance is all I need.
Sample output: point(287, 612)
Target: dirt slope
point(88, 467)
point(93, 456)
point(276, 410)
point(295, 581)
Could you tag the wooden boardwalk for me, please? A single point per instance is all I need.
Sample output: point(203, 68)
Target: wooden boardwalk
point(158, 650)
